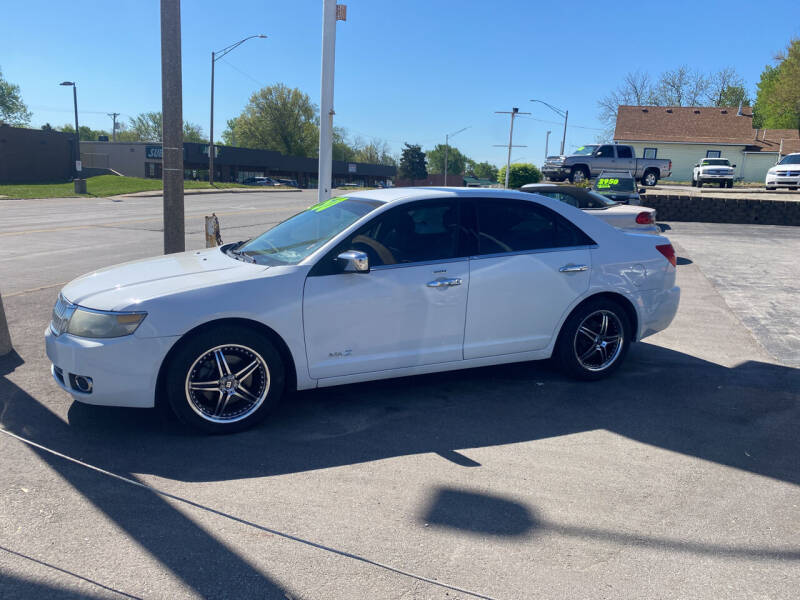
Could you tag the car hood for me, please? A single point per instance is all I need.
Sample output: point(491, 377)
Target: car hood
point(131, 285)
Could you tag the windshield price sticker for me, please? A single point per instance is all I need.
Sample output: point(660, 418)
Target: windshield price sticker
point(327, 204)
point(606, 183)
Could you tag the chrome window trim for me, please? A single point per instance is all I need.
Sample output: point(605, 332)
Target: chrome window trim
point(536, 251)
point(421, 263)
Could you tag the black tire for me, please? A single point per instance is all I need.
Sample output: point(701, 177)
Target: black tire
point(770, 189)
point(652, 176)
point(723, 184)
point(573, 345)
point(583, 171)
point(195, 362)
point(699, 182)
point(730, 183)
point(694, 183)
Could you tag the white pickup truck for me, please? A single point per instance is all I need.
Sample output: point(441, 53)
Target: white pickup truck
point(713, 170)
point(588, 161)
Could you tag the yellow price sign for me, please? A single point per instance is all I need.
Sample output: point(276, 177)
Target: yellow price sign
point(606, 183)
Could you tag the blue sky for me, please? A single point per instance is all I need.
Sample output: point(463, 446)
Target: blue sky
point(406, 70)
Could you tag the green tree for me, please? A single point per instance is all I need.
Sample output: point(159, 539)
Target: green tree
point(277, 118)
point(456, 161)
point(12, 109)
point(778, 98)
point(485, 170)
point(87, 134)
point(521, 173)
point(412, 162)
point(147, 127)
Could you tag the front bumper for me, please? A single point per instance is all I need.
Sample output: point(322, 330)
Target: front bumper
point(123, 370)
point(554, 171)
point(777, 181)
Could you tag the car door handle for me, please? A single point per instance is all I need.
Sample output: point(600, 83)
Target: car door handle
point(444, 282)
point(573, 268)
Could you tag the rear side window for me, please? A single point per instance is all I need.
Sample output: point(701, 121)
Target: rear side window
point(624, 152)
point(517, 226)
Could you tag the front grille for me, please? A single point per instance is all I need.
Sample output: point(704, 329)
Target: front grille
point(62, 312)
point(788, 173)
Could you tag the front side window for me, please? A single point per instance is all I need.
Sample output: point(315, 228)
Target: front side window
point(517, 226)
point(561, 197)
point(606, 152)
point(411, 233)
point(299, 236)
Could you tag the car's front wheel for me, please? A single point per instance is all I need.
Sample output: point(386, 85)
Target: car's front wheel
point(594, 340)
point(224, 380)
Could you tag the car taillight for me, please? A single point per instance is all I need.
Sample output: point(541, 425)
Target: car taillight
point(669, 253)
point(644, 218)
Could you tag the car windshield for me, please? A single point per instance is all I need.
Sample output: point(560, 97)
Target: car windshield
point(607, 184)
point(584, 150)
point(296, 238)
point(715, 161)
point(792, 159)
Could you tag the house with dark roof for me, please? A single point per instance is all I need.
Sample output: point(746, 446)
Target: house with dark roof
point(687, 134)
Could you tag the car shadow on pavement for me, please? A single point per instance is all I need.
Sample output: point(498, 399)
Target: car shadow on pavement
point(744, 417)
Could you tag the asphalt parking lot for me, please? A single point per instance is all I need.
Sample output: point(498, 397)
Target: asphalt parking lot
point(677, 478)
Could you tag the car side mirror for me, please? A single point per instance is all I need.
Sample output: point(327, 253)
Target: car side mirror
point(354, 261)
point(697, 165)
point(734, 166)
point(642, 190)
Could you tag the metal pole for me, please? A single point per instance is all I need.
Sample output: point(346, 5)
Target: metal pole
point(446, 144)
point(564, 137)
point(325, 169)
point(5, 335)
point(172, 139)
point(77, 131)
point(114, 126)
point(211, 129)
point(546, 143)
point(514, 112)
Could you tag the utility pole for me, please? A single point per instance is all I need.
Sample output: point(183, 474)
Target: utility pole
point(172, 138)
point(447, 148)
point(331, 12)
point(215, 56)
point(514, 112)
point(5, 336)
point(546, 143)
point(114, 128)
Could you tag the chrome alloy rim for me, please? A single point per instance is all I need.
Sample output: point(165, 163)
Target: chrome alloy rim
point(227, 383)
point(598, 341)
point(650, 179)
point(578, 176)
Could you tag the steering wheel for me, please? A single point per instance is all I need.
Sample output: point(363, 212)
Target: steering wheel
point(386, 257)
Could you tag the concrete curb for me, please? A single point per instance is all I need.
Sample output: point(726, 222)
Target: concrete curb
point(159, 193)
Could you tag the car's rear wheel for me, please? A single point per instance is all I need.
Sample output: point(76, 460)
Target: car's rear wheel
point(594, 340)
point(224, 380)
point(650, 178)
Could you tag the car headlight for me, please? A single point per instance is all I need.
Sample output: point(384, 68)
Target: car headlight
point(101, 324)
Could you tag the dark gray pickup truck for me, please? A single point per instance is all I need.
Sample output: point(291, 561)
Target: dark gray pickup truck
point(588, 161)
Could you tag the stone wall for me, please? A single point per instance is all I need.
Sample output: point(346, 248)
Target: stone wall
point(671, 207)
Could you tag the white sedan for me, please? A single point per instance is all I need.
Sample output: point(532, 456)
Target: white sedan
point(785, 174)
point(637, 219)
point(371, 285)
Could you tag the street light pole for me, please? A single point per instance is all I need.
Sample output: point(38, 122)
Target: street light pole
point(546, 143)
point(447, 148)
point(77, 166)
point(561, 113)
point(514, 112)
point(215, 56)
point(331, 12)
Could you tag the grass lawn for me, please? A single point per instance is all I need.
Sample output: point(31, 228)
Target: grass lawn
point(101, 186)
